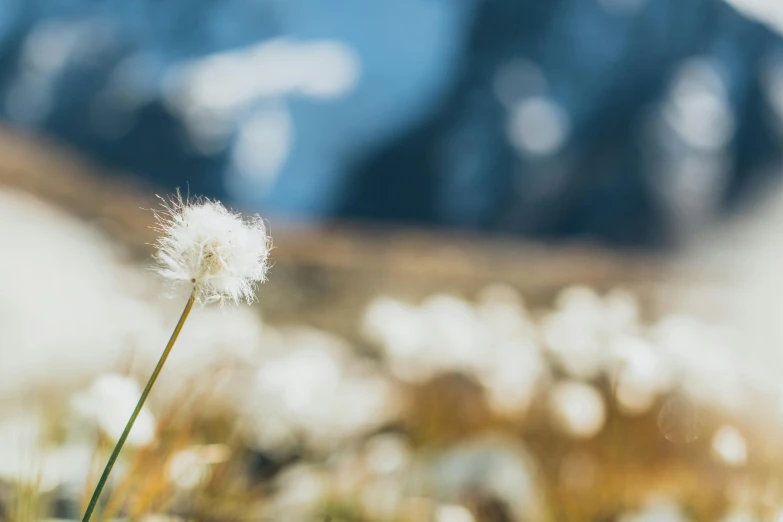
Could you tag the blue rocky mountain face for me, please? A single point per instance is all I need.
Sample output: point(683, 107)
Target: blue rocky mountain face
point(629, 121)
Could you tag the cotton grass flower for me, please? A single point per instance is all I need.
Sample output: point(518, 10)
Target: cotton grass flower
point(223, 256)
point(207, 245)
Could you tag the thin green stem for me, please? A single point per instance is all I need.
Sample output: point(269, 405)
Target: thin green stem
point(118, 447)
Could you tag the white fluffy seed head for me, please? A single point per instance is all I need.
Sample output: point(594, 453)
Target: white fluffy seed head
point(203, 243)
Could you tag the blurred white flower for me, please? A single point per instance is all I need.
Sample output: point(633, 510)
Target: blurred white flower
point(89, 314)
point(578, 331)
point(157, 517)
point(492, 465)
point(641, 374)
point(442, 334)
point(393, 324)
point(26, 456)
point(315, 389)
point(578, 408)
point(68, 466)
point(705, 359)
point(216, 353)
point(219, 337)
point(503, 315)
point(187, 468)
point(453, 333)
point(513, 374)
point(729, 445)
point(21, 440)
point(205, 244)
point(110, 401)
point(386, 454)
point(740, 515)
point(453, 513)
point(301, 488)
point(398, 328)
point(656, 510)
point(621, 310)
point(299, 378)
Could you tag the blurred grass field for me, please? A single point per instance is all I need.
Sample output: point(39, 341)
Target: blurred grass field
point(386, 375)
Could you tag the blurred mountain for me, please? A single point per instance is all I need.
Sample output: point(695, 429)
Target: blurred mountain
point(628, 121)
